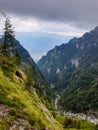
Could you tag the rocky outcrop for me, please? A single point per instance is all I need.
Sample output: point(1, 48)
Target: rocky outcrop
point(4, 111)
point(46, 112)
point(21, 124)
point(90, 117)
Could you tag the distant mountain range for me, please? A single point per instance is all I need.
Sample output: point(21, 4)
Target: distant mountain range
point(72, 70)
point(40, 42)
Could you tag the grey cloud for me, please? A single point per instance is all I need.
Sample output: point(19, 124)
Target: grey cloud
point(82, 13)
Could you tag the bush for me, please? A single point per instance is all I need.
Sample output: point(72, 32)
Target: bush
point(72, 123)
point(96, 127)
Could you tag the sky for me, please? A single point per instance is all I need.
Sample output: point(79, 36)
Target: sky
point(40, 25)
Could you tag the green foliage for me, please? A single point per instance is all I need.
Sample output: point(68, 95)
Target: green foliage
point(82, 91)
point(17, 57)
point(8, 38)
point(8, 30)
point(69, 123)
point(72, 123)
point(27, 127)
point(77, 80)
point(60, 119)
point(9, 55)
point(96, 127)
point(36, 82)
point(23, 103)
point(2, 125)
point(14, 86)
point(29, 82)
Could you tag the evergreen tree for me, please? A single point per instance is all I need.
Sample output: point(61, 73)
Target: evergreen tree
point(18, 57)
point(9, 55)
point(29, 82)
point(8, 38)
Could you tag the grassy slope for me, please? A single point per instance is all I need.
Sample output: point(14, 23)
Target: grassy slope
point(23, 104)
point(75, 124)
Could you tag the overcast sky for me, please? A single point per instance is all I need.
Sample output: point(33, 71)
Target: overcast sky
point(52, 20)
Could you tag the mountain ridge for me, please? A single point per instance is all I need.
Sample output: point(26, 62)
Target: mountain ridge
point(25, 100)
point(27, 64)
point(73, 67)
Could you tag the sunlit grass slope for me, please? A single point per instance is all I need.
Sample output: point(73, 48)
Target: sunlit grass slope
point(23, 104)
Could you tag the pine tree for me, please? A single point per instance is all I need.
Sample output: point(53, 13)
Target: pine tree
point(8, 52)
point(29, 82)
point(8, 38)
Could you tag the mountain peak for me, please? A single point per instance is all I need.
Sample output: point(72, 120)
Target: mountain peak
point(96, 28)
point(73, 67)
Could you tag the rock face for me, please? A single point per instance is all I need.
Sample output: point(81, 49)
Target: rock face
point(90, 117)
point(68, 56)
point(3, 111)
point(21, 124)
point(72, 70)
point(58, 60)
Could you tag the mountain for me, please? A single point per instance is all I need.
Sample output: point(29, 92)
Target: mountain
point(25, 98)
point(72, 70)
point(40, 84)
point(42, 38)
point(26, 101)
point(21, 108)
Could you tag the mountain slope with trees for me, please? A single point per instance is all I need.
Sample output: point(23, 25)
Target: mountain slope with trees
point(26, 102)
point(11, 49)
point(25, 99)
point(72, 70)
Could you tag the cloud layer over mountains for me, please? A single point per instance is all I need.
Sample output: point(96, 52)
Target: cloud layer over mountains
point(82, 13)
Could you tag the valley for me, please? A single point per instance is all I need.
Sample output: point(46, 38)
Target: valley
point(60, 92)
point(77, 82)
point(72, 71)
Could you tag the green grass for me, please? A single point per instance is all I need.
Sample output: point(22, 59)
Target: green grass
point(75, 124)
point(23, 103)
point(2, 125)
